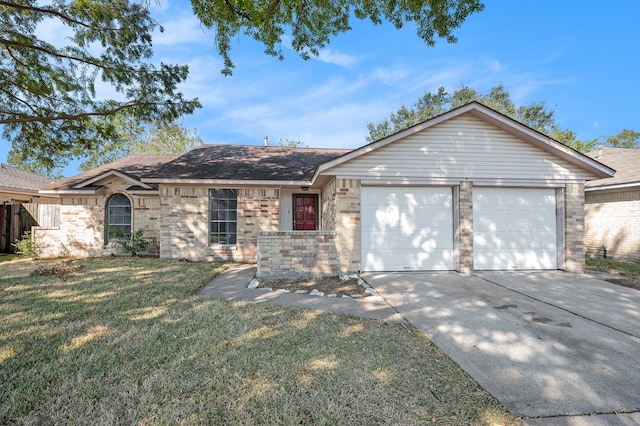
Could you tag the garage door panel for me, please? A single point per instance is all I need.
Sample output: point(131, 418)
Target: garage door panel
point(522, 198)
point(514, 224)
point(406, 229)
point(514, 228)
point(514, 260)
point(409, 261)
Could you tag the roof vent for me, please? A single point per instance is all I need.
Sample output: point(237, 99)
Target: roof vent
point(266, 141)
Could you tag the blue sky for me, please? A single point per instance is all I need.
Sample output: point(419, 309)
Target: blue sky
point(581, 58)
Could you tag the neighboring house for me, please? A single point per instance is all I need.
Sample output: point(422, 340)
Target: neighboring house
point(21, 207)
point(612, 206)
point(469, 189)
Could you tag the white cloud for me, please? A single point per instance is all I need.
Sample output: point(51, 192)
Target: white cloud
point(330, 56)
point(180, 30)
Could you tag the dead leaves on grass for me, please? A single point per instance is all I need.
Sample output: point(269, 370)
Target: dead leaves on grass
point(62, 270)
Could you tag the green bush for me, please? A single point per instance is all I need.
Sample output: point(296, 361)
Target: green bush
point(135, 244)
point(27, 246)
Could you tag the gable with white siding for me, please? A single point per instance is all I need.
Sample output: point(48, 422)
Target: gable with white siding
point(462, 147)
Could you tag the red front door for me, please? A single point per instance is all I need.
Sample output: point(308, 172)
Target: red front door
point(306, 213)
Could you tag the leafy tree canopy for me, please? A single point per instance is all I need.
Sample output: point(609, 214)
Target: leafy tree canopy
point(312, 23)
point(138, 139)
point(50, 108)
point(535, 115)
point(296, 143)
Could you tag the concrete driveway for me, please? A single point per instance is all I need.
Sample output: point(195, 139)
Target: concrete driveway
point(550, 346)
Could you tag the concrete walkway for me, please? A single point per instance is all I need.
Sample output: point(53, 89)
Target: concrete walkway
point(232, 285)
point(553, 347)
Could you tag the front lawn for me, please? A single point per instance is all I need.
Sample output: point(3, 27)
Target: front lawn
point(628, 272)
point(127, 341)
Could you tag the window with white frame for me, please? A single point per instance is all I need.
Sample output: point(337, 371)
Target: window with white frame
point(223, 216)
point(118, 218)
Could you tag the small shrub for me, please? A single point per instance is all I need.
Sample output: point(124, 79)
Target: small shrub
point(27, 246)
point(135, 244)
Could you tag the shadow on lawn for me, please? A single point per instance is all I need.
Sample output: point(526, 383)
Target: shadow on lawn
point(126, 341)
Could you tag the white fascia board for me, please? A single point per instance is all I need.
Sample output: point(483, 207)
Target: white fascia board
point(528, 183)
point(615, 186)
point(387, 181)
point(97, 191)
point(228, 182)
point(116, 173)
point(19, 191)
point(144, 192)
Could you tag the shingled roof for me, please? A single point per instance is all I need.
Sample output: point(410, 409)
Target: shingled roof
point(626, 162)
point(245, 162)
point(209, 163)
point(135, 166)
point(12, 178)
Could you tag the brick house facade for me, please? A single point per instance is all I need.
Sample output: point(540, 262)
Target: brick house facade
point(422, 191)
point(612, 207)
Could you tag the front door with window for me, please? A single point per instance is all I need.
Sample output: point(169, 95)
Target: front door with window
point(306, 212)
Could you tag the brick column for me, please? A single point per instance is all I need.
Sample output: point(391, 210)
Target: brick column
point(465, 229)
point(574, 226)
point(347, 199)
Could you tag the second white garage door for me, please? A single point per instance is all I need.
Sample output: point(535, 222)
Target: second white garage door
point(514, 228)
point(406, 228)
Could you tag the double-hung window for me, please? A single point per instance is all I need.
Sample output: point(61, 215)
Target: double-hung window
point(223, 216)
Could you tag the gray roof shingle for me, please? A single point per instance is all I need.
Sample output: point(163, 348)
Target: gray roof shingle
point(135, 166)
point(220, 162)
point(13, 178)
point(626, 162)
point(247, 162)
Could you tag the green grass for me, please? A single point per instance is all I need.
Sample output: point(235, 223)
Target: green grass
point(8, 257)
point(127, 341)
point(629, 271)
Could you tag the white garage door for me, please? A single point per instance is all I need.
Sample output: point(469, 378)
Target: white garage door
point(406, 229)
point(514, 228)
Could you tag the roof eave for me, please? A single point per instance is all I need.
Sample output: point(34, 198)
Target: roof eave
point(110, 173)
point(252, 182)
point(612, 186)
point(94, 191)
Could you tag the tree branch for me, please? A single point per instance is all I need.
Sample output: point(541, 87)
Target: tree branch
point(49, 52)
point(237, 12)
point(53, 12)
point(68, 116)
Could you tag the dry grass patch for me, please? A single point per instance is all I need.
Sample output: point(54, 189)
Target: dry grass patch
point(628, 272)
point(127, 341)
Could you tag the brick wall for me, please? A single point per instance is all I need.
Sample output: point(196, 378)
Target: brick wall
point(328, 200)
point(82, 232)
point(292, 253)
point(612, 221)
point(465, 229)
point(574, 227)
point(184, 231)
point(347, 223)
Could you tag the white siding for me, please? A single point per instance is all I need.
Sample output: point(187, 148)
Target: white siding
point(463, 147)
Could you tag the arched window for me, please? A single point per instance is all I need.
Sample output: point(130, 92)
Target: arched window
point(118, 218)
